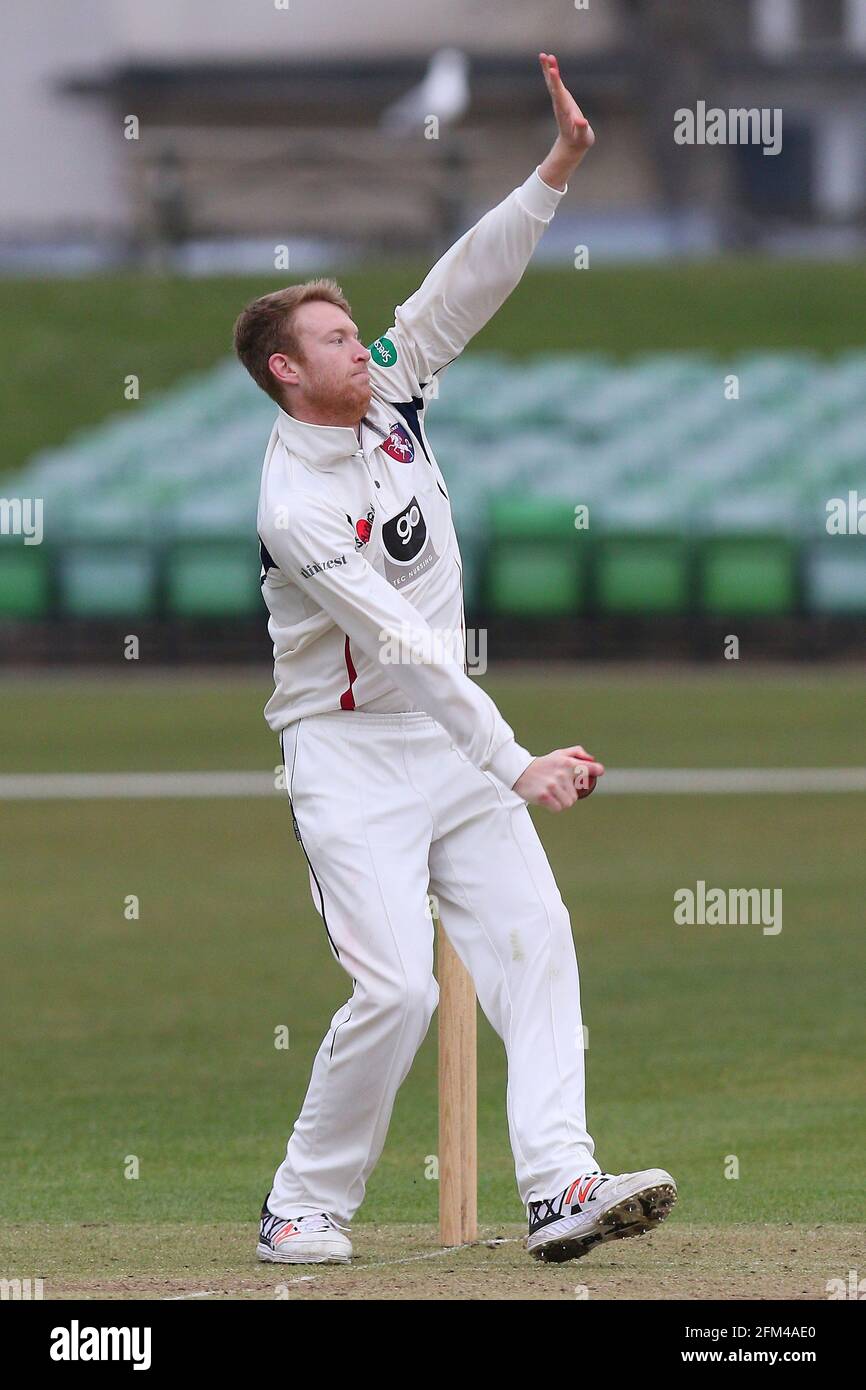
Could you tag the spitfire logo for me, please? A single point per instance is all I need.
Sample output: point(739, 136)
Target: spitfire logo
point(399, 444)
point(363, 528)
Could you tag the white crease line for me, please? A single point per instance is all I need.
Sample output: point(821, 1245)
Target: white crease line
point(181, 1297)
point(120, 786)
point(231, 1293)
point(358, 1267)
point(446, 1250)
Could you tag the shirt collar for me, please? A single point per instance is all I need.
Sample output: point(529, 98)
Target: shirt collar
point(320, 445)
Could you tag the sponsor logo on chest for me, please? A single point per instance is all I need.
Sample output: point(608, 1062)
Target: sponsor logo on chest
point(408, 549)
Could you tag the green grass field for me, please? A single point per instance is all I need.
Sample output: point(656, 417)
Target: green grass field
point(154, 1038)
point(163, 328)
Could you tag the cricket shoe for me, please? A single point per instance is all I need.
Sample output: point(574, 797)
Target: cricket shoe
point(302, 1240)
point(598, 1207)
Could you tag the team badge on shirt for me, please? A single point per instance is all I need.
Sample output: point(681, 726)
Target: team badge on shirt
point(399, 444)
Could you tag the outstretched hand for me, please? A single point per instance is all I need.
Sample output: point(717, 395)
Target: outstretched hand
point(560, 778)
point(574, 129)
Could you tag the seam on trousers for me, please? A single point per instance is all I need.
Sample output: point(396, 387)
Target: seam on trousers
point(418, 792)
point(331, 940)
point(339, 1026)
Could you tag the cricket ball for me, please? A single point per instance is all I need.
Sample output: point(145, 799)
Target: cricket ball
point(585, 785)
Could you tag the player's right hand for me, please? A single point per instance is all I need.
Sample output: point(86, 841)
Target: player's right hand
point(559, 778)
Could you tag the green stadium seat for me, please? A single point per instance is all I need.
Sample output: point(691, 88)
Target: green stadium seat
point(96, 519)
point(524, 517)
point(213, 513)
point(836, 575)
point(651, 504)
point(773, 378)
point(534, 581)
point(106, 581)
point(755, 509)
point(213, 579)
point(643, 573)
point(24, 581)
point(748, 574)
point(536, 563)
point(468, 387)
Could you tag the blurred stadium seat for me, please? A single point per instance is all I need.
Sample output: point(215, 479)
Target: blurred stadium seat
point(696, 503)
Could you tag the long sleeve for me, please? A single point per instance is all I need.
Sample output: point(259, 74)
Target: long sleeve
point(317, 551)
point(462, 291)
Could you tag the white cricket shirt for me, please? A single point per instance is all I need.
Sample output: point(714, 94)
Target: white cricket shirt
point(361, 570)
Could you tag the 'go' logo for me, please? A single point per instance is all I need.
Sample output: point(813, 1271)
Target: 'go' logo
point(405, 535)
point(406, 524)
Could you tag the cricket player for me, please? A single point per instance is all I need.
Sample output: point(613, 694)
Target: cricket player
point(403, 778)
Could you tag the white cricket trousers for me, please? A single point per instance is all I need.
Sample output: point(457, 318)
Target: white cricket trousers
point(386, 810)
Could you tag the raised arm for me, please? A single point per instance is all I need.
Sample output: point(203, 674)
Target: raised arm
point(478, 273)
point(575, 136)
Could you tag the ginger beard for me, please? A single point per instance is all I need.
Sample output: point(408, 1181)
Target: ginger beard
point(329, 388)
